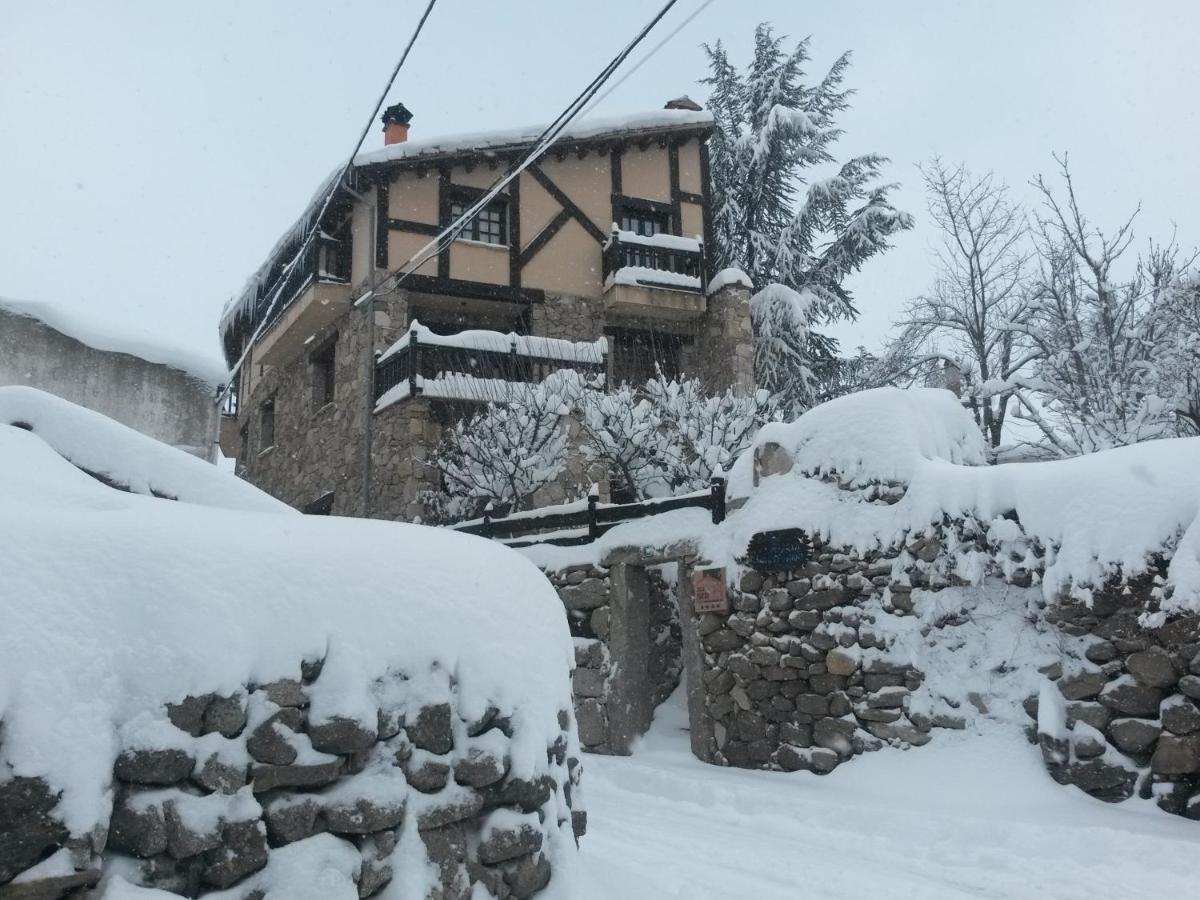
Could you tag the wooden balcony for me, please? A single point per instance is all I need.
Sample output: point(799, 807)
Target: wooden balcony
point(315, 294)
point(654, 277)
point(477, 366)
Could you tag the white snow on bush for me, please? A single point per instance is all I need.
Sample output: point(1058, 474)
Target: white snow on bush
point(100, 335)
point(126, 457)
point(114, 604)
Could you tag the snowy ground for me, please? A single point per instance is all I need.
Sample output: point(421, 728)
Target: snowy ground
point(970, 815)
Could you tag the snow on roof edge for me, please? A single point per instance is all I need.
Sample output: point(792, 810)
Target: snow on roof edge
point(656, 120)
point(100, 336)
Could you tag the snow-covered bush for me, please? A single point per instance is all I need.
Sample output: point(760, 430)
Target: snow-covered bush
point(503, 453)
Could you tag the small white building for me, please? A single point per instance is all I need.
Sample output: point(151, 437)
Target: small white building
point(161, 391)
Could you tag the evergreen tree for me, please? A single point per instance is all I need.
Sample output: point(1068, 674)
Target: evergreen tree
point(775, 221)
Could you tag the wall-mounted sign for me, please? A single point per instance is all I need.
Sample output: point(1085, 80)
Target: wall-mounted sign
point(708, 591)
point(774, 551)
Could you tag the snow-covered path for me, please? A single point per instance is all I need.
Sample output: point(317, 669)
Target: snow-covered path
point(970, 815)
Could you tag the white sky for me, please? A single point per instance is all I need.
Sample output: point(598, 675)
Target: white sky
point(152, 152)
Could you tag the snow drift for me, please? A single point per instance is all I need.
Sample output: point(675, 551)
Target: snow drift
point(115, 604)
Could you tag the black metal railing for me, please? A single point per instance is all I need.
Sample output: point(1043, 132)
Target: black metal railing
point(325, 259)
point(623, 254)
point(585, 525)
point(421, 360)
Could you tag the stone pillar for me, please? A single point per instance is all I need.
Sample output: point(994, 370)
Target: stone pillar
point(728, 340)
point(700, 724)
point(629, 706)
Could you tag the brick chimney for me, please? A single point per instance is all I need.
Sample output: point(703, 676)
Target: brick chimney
point(395, 124)
point(684, 102)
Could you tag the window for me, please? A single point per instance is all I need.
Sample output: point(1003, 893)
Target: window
point(322, 363)
point(645, 222)
point(266, 425)
point(489, 225)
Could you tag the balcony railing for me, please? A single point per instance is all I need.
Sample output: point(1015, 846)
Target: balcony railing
point(660, 260)
point(477, 365)
point(325, 259)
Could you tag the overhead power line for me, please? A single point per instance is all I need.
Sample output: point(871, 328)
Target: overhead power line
point(541, 145)
point(281, 280)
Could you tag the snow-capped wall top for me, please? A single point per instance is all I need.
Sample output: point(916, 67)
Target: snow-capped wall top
point(126, 457)
point(90, 330)
point(882, 435)
point(727, 277)
point(115, 604)
point(448, 145)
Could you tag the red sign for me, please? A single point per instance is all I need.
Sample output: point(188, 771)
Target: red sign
point(708, 591)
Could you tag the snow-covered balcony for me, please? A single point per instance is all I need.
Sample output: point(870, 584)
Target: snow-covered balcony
point(314, 294)
point(477, 366)
point(654, 276)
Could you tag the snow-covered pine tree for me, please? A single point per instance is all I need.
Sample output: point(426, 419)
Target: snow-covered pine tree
point(776, 221)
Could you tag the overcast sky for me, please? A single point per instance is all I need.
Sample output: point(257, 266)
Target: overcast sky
point(152, 152)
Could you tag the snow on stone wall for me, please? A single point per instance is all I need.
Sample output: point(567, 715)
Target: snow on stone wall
point(166, 393)
point(197, 697)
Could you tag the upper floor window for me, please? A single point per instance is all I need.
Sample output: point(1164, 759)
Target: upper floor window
point(645, 222)
point(490, 225)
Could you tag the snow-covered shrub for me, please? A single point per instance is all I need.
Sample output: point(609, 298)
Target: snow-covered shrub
point(514, 445)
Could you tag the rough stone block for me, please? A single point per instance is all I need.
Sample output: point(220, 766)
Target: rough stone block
point(479, 768)
point(1082, 685)
point(592, 722)
point(1152, 668)
point(243, 851)
point(1129, 698)
point(268, 742)
point(363, 816)
point(138, 832)
point(161, 767)
point(269, 778)
point(1180, 715)
point(1175, 755)
point(342, 736)
point(292, 819)
point(226, 716)
point(431, 729)
point(588, 683)
point(438, 812)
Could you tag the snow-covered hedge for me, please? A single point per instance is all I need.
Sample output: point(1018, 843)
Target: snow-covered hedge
point(181, 680)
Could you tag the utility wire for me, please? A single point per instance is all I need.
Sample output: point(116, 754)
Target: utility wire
point(547, 138)
point(281, 281)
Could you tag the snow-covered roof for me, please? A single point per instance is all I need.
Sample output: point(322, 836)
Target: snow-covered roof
point(114, 604)
point(100, 334)
point(508, 138)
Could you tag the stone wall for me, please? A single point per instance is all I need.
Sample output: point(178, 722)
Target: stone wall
point(207, 796)
point(1129, 716)
point(726, 340)
point(586, 592)
point(792, 679)
point(164, 402)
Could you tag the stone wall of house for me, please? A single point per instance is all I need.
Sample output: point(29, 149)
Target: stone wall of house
point(567, 317)
point(1128, 721)
point(224, 787)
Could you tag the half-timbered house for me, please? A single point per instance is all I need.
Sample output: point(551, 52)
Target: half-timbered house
point(353, 354)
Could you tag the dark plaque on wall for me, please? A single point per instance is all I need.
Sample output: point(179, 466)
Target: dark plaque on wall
point(774, 551)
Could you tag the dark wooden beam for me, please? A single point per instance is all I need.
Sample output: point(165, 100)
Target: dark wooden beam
point(710, 246)
point(414, 227)
point(567, 203)
point(443, 258)
point(381, 223)
point(673, 168)
point(689, 197)
point(544, 236)
point(472, 290)
point(514, 233)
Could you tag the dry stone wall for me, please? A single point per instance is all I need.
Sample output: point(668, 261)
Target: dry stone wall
point(787, 683)
point(1127, 718)
point(586, 592)
point(205, 796)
